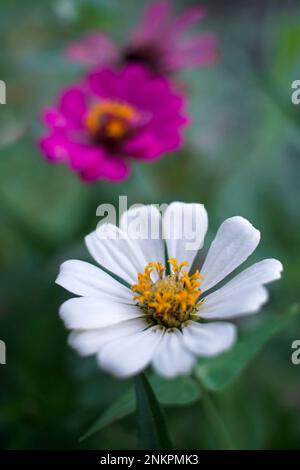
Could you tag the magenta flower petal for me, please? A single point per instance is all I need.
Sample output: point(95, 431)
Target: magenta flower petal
point(54, 118)
point(94, 50)
point(54, 147)
point(111, 169)
point(193, 51)
point(57, 148)
point(187, 19)
point(143, 146)
point(153, 93)
point(104, 83)
point(155, 21)
point(82, 157)
point(73, 105)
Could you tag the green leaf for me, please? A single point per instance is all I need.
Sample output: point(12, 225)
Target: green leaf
point(122, 407)
point(219, 372)
point(176, 392)
point(152, 429)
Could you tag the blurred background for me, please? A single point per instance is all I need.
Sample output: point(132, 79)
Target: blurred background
point(241, 157)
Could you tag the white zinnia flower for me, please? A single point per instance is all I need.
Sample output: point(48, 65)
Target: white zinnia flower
point(159, 318)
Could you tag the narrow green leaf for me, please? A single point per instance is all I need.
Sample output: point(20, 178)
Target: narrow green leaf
point(152, 429)
point(176, 392)
point(121, 408)
point(218, 372)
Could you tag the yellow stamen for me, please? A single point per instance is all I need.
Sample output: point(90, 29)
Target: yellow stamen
point(115, 128)
point(117, 117)
point(171, 300)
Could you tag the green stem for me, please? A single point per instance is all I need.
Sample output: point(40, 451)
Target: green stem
point(152, 428)
point(216, 419)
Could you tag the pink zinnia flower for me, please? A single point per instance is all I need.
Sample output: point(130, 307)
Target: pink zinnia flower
point(110, 118)
point(160, 41)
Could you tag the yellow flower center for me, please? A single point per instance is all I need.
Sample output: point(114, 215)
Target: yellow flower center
point(110, 118)
point(171, 300)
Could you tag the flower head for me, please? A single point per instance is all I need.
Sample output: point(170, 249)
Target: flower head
point(142, 310)
point(160, 41)
point(112, 117)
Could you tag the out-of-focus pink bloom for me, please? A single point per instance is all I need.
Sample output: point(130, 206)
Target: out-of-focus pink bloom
point(161, 41)
point(112, 117)
point(95, 50)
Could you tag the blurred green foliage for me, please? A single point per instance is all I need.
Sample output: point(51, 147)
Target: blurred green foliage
point(242, 156)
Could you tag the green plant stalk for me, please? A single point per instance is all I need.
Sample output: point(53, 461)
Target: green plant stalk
point(152, 428)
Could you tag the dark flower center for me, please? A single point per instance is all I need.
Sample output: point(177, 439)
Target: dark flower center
point(144, 54)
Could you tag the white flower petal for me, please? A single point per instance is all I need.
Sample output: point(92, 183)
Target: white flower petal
point(209, 339)
point(244, 293)
point(172, 358)
point(264, 271)
point(82, 278)
point(88, 342)
point(113, 250)
point(228, 303)
point(143, 225)
point(235, 240)
point(89, 313)
point(184, 228)
point(129, 355)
